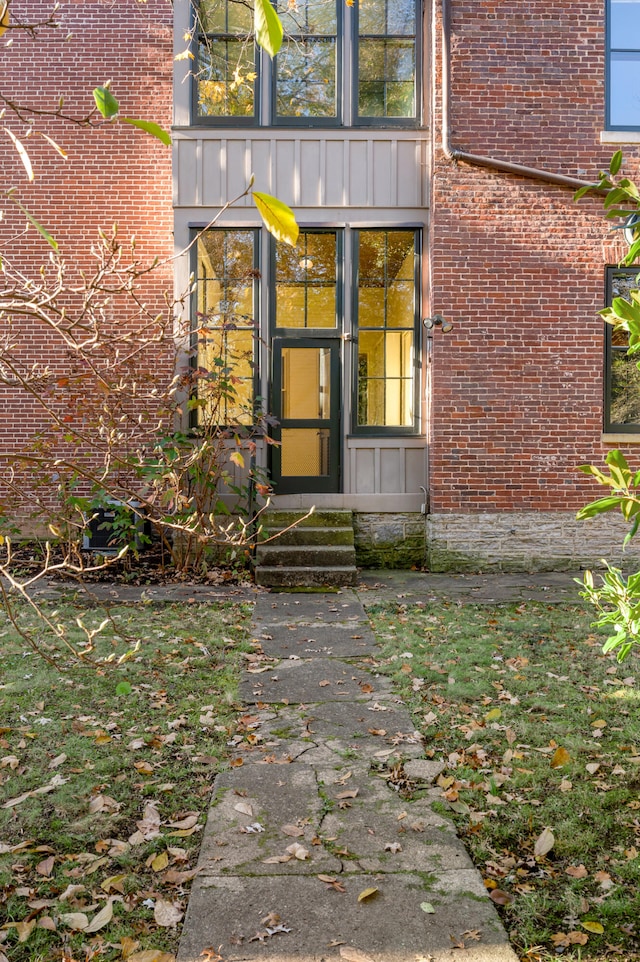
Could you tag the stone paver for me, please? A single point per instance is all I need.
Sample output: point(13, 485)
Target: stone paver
point(314, 816)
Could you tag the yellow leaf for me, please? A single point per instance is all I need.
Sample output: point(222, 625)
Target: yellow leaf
point(115, 882)
point(594, 927)
point(237, 459)
point(599, 723)
point(493, 715)
point(277, 217)
point(4, 17)
point(367, 894)
point(160, 862)
point(560, 757)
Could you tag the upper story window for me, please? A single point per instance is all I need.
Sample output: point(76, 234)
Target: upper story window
point(623, 65)
point(622, 377)
point(339, 65)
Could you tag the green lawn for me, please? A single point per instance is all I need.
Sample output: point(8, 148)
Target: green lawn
point(541, 737)
point(105, 778)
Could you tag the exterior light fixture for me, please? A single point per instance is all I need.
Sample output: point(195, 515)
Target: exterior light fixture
point(437, 321)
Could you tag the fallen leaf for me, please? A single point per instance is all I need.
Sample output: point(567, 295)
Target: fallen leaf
point(188, 822)
point(102, 918)
point(592, 767)
point(46, 922)
point(544, 843)
point(576, 871)
point(160, 862)
point(45, 867)
point(298, 851)
point(167, 914)
point(493, 715)
point(393, 847)
point(244, 808)
point(367, 894)
point(354, 955)
point(348, 793)
point(500, 897)
point(594, 927)
point(427, 907)
point(293, 830)
point(560, 757)
point(75, 920)
point(24, 929)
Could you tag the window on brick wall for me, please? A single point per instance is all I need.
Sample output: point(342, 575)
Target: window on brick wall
point(224, 327)
point(338, 65)
point(623, 65)
point(622, 377)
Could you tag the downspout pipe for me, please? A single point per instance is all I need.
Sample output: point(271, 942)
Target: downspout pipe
point(477, 160)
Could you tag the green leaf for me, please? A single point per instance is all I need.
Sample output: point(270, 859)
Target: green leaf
point(269, 30)
point(41, 230)
point(123, 688)
point(599, 507)
point(615, 163)
point(278, 218)
point(151, 128)
point(105, 102)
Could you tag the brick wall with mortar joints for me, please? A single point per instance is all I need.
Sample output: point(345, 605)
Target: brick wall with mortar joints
point(518, 384)
point(114, 174)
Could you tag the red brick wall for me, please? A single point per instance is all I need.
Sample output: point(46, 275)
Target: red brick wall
point(518, 267)
point(114, 173)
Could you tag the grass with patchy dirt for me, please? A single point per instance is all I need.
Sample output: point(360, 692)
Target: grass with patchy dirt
point(541, 737)
point(105, 778)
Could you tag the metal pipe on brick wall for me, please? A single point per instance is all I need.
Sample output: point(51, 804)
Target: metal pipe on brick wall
point(477, 160)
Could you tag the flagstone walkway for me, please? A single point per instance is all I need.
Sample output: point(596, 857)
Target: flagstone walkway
point(312, 851)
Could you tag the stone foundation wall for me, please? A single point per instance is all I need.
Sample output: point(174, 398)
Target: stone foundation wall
point(389, 540)
point(526, 541)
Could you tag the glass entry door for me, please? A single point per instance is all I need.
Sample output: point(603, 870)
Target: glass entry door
point(306, 403)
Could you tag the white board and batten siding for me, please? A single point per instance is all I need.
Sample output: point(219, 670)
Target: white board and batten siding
point(307, 169)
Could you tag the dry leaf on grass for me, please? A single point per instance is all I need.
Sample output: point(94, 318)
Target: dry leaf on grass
point(102, 918)
point(544, 843)
point(576, 871)
point(167, 914)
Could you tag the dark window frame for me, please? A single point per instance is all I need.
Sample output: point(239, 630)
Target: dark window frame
point(266, 78)
point(609, 51)
point(610, 352)
point(222, 120)
point(384, 121)
point(315, 332)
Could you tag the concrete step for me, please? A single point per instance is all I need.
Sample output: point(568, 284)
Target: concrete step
point(337, 576)
point(274, 518)
point(306, 555)
point(310, 536)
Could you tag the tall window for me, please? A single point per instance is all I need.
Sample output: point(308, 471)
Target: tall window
point(224, 329)
point(386, 319)
point(373, 43)
point(224, 67)
point(386, 58)
point(623, 64)
point(622, 377)
point(306, 74)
